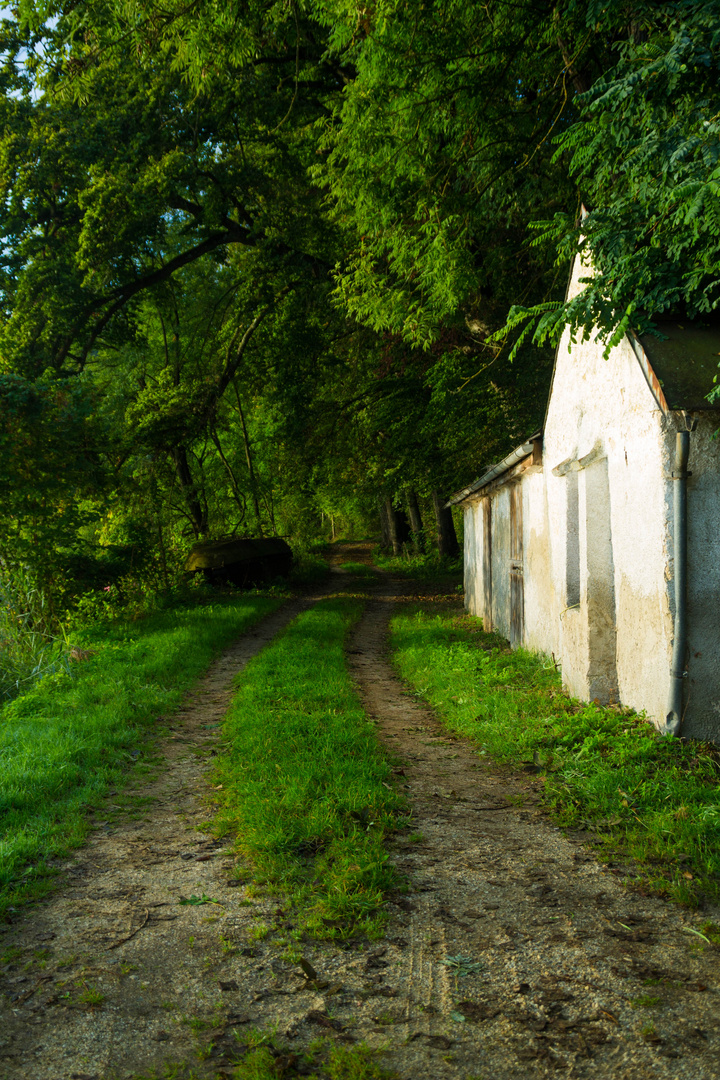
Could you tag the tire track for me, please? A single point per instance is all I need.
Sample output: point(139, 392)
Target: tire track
point(525, 955)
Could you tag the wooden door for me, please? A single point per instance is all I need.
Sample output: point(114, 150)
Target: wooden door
point(517, 598)
point(487, 565)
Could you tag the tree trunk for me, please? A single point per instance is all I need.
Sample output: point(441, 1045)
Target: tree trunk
point(238, 495)
point(385, 544)
point(198, 516)
point(416, 525)
point(251, 470)
point(397, 526)
point(446, 536)
point(163, 553)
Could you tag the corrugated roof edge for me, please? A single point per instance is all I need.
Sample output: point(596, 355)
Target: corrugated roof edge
point(507, 463)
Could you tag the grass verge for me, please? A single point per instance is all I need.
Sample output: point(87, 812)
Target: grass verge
point(69, 739)
point(644, 796)
point(304, 780)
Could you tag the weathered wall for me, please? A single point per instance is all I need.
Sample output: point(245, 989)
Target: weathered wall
point(597, 527)
point(605, 464)
point(501, 560)
point(541, 607)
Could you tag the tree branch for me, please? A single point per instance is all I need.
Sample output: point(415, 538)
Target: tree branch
point(126, 292)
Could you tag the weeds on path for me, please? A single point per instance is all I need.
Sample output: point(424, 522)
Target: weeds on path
point(326, 1063)
point(304, 781)
point(260, 1056)
point(646, 796)
point(66, 741)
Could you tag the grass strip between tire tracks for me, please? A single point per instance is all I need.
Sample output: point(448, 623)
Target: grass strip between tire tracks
point(644, 796)
point(71, 737)
point(305, 781)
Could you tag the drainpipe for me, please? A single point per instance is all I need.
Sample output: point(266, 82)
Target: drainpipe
point(674, 717)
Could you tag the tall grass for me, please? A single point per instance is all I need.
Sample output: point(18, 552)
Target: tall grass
point(304, 778)
point(642, 795)
point(423, 567)
point(72, 735)
point(28, 645)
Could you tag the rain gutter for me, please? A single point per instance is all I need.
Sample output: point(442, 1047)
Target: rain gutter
point(678, 666)
point(503, 466)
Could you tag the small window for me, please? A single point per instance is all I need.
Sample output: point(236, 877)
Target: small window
point(572, 554)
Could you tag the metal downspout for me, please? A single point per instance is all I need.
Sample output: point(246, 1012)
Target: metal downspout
point(674, 717)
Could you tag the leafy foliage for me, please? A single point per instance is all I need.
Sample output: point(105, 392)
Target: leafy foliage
point(646, 157)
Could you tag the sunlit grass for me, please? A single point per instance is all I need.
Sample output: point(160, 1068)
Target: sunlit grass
point(304, 777)
point(644, 796)
point(326, 1062)
point(71, 737)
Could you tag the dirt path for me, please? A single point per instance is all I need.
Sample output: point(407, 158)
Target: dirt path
point(508, 923)
point(516, 953)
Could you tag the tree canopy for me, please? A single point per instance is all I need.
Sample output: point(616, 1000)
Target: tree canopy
point(271, 261)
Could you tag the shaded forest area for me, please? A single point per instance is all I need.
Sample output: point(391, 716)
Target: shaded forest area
point(292, 268)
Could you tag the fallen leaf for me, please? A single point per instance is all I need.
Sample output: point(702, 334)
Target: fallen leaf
point(309, 970)
point(439, 1042)
point(321, 1018)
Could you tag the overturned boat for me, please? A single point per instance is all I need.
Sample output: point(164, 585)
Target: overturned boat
point(240, 561)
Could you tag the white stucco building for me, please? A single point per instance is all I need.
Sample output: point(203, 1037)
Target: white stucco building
point(574, 542)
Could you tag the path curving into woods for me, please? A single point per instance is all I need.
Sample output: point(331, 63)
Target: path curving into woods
point(512, 954)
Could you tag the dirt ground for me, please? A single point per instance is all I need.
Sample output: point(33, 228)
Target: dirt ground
point(513, 954)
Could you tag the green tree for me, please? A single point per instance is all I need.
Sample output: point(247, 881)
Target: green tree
point(645, 154)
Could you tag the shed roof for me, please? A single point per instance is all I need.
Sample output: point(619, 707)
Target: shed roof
point(513, 458)
point(685, 362)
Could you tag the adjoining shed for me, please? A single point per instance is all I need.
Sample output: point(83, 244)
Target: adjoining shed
point(595, 543)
